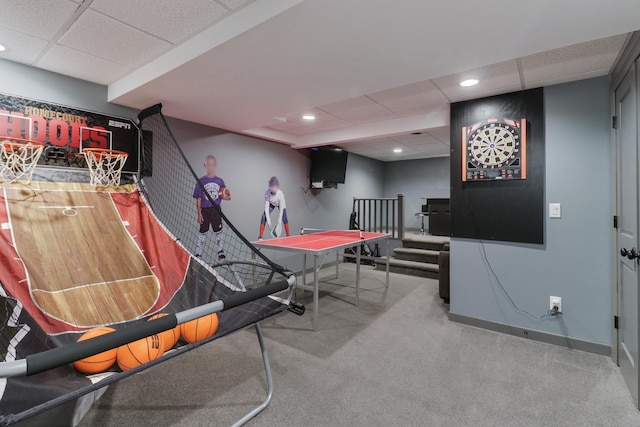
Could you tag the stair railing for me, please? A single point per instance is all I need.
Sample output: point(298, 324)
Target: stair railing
point(382, 215)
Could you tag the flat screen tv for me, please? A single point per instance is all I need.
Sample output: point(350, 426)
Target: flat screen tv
point(328, 164)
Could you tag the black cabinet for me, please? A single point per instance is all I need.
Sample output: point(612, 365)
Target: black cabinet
point(439, 217)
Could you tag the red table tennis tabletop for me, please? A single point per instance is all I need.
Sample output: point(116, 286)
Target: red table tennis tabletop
point(320, 243)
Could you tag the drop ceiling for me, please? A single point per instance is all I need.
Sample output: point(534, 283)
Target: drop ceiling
point(371, 71)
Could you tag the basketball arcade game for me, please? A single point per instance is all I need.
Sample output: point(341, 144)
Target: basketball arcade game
point(48, 319)
point(319, 244)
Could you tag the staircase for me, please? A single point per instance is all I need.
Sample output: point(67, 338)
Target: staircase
point(418, 256)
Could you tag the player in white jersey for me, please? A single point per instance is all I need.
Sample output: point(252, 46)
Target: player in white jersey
point(274, 198)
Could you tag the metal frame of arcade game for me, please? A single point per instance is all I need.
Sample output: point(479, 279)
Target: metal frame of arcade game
point(50, 359)
point(32, 364)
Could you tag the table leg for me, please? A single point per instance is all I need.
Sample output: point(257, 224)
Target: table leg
point(358, 276)
point(315, 292)
point(337, 261)
point(388, 259)
point(304, 269)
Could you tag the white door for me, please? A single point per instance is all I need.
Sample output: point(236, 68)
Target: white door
point(627, 232)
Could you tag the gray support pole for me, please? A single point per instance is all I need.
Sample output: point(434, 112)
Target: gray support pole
point(388, 241)
point(393, 218)
point(400, 216)
point(316, 293)
point(387, 213)
point(375, 215)
point(267, 369)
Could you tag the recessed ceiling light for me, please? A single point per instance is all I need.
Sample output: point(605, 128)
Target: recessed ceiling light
point(308, 116)
point(469, 82)
point(397, 150)
point(2, 48)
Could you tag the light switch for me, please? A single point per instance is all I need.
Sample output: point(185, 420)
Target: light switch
point(555, 210)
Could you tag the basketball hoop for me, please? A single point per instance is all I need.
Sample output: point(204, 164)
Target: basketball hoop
point(105, 166)
point(18, 158)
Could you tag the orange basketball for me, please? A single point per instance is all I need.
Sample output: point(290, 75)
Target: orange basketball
point(138, 352)
point(200, 328)
point(98, 362)
point(170, 337)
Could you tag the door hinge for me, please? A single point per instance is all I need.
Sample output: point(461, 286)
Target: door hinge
point(615, 221)
point(614, 122)
point(615, 322)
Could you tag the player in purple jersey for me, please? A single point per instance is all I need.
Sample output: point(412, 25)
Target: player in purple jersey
point(208, 214)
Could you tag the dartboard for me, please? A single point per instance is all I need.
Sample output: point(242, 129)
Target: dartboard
point(493, 144)
point(494, 149)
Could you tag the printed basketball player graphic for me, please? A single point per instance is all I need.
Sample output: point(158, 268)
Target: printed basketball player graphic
point(274, 199)
point(208, 208)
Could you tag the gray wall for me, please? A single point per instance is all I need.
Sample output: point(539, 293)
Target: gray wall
point(23, 80)
point(575, 261)
point(417, 179)
point(246, 164)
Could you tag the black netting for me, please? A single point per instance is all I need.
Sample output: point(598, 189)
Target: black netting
point(228, 263)
point(170, 192)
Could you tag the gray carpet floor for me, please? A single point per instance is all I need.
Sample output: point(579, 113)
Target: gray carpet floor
point(394, 360)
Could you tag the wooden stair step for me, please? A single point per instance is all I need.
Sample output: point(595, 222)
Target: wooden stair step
point(409, 268)
point(409, 264)
point(418, 255)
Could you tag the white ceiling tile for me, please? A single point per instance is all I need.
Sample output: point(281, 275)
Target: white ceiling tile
point(81, 65)
point(387, 155)
point(567, 79)
point(235, 4)
point(284, 126)
point(418, 137)
point(497, 78)
point(383, 144)
point(106, 38)
point(168, 19)
point(20, 47)
point(565, 64)
point(435, 149)
point(39, 18)
point(321, 125)
point(370, 117)
point(421, 109)
point(443, 134)
point(319, 114)
point(419, 142)
point(373, 144)
point(358, 107)
point(303, 130)
point(411, 95)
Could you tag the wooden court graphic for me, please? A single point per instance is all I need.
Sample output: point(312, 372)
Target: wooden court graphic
point(82, 266)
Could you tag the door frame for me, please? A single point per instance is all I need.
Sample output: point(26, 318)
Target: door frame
point(629, 54)
point(614, 231)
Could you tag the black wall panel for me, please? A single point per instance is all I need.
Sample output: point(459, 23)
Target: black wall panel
point(504, 210)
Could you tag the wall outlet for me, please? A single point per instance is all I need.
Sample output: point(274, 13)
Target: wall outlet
point(555, 302)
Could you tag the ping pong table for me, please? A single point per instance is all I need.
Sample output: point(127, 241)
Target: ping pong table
point(319, 244)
